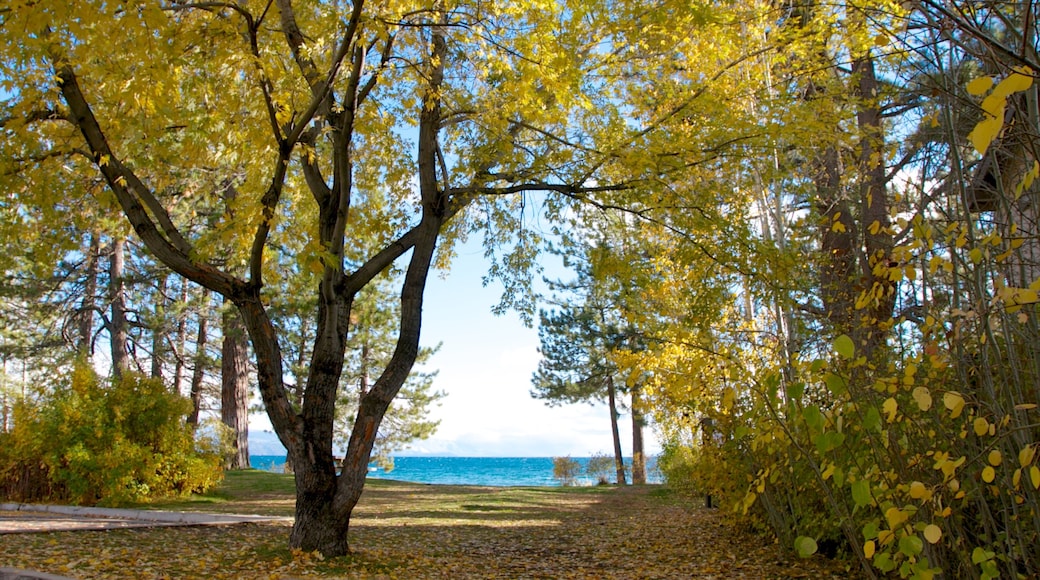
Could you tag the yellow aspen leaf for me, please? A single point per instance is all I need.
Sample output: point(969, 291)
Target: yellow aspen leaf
point(1016, 82)
point(1034, 476)
point(1016, 478)
point(923, 397)
point(988, 474)
point(869, 548)
point(885, 537)
point(918, 490)
point(1025, 406)
point(954, 402)
point(995, 458)
point(1025, 455)
point(978, 87)
point(838, 227)
point(727, 398)
point(981, 426)
point(985, 132)
point(932, 533)
point(890, 406)
point(975, 255)
point(895, 516)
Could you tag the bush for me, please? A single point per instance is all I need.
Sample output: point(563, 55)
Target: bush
point(94, 442)
point(601, 468)
point(566, 470)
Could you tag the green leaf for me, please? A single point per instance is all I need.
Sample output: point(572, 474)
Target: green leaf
point(835, 384)
point(911, 545)
point(861, 493)
point(813, 417)
point(872, 419)
point(805, 546)
point(844, 346)
point(796, 390)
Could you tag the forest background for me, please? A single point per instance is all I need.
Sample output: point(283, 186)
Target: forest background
point(804, 234)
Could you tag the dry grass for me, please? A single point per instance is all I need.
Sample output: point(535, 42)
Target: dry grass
point(403, 530)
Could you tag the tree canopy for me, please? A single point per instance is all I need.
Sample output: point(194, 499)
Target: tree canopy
point(830, 242)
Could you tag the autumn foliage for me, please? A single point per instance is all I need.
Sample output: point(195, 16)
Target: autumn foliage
point(92, 441)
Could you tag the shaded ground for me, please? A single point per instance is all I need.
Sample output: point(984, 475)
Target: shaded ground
point(405, 530)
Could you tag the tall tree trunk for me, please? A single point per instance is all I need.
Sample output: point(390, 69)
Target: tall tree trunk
point(199, 372)
point(324, 501)
point(234, 388)
point(85, 322)
point(180, 348)
point(638, 458)
point(158, 330)
point(619, 458)
point(117, 308)
point(874, 220)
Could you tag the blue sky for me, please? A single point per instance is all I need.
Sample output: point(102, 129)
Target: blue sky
point(485, 365)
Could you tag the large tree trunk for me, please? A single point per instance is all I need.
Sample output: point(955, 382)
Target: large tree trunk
point(158, 330)
point(117, 309)
point(199, 372)
point(234, 388)
point(180, 348)
point(324, 502)
point(619, 458)
point(638, 457)
point(88, 302)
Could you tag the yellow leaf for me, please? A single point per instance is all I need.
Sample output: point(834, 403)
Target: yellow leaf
point(923, 397)
point(988, 474)
point(890, 406)
point(838, 227)
point(979, 86)
point(886, 536)
point(1016, 82)
point(995, 458)
point(932, 533)
point(868, 549)
point(954, 402)
point(985, 132)
point(1025, 406)
point(918, 490)
point(1034, 476)
point(975, 255)
point(895, 516)
point(981, 426)
point(1025, 455)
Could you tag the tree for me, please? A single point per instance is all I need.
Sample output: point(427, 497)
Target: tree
point(299, 106)
point(234, 388)
point(574, 366)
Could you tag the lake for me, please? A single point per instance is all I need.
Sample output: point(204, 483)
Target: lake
point(490, 471)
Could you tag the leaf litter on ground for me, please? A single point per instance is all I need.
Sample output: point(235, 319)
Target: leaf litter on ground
point(415, 531)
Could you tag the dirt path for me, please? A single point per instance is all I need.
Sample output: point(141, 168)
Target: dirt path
point(416, 531)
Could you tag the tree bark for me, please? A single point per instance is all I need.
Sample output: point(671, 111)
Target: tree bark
point(180, 348)
point(619, 458)
point(234, 388)
point(199, 372)
point(117, 309)
point(638, 458)
point(85, 323)
point(158, 334)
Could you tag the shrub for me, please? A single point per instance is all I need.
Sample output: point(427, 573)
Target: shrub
point(566, 470)
point(92, 441)
point(600, 468)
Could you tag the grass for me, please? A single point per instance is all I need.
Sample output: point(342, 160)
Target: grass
point(408, 530)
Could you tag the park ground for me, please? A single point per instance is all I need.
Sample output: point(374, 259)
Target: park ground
point(415, 531)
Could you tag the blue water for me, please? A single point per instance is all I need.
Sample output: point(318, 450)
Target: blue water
point(490, 471)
